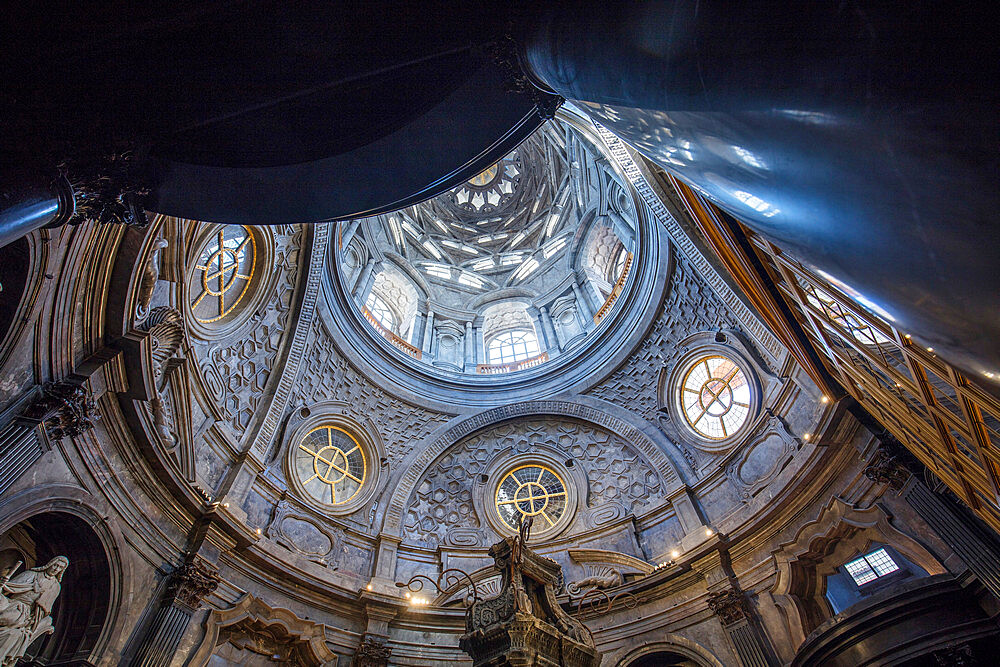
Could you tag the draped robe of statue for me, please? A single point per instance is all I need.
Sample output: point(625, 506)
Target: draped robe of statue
point(25, 606)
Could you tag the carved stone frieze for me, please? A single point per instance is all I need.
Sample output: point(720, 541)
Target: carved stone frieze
point(601, 576)
point(192, 581)
point(729, 605)
point(443, 500)
point(326, 376)
point(237, 371)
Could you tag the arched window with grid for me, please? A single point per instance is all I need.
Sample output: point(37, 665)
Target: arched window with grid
point(512, 346)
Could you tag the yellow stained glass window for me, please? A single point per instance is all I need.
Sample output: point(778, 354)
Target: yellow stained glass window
point(223, 273)
point(531, 490)
point(330, 465)
point(715, 397)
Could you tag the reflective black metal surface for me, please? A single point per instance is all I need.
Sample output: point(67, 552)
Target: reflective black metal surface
point(862, 139)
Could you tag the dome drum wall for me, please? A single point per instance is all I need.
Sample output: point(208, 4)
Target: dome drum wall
point(420, 370)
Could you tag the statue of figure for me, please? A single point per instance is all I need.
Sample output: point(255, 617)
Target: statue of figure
point(25, 604)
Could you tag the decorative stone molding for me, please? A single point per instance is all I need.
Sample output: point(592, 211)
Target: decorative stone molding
point(415, 468)
point(192, 581)
point(298, 532)
point(622, 562)
point(166, 329)
point(820, 546)
point(892, 465)
point(729, 605)
point(372, 652)
point(253, 626)
point(753, 467)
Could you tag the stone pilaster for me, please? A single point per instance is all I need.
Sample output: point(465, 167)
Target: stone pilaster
point(892, 465)
point(740, 626)
point(187, 587)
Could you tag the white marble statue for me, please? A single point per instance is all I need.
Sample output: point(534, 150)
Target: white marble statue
point(25, 604)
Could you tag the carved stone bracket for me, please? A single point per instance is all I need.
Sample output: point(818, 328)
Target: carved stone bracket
point(192, 581)
point(729, 605)
point(66, 409)
point(372, 652)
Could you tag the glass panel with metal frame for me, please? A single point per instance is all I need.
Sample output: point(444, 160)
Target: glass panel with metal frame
point(531, 491)
point(715, 397)
point(223, 273)
point(513, 346)
point(330, 465)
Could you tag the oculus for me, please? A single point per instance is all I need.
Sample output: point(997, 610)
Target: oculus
point(531, 491)
point(714, 396)
point(330, 464)
point(224, 271)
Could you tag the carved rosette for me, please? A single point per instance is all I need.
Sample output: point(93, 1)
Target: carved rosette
point(66, 409)
point(372, 652)
point(191, 582)
point(729, 605)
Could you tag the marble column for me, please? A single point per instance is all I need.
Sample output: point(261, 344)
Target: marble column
point(583, 307)
point(365, 281)
point(470, 359)
point(734, 613)
point(428, 332)
point(187, 587)
point(894, 466)
point(549, 331)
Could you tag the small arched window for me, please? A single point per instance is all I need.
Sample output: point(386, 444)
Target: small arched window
point(381, 312)
point(512, 346)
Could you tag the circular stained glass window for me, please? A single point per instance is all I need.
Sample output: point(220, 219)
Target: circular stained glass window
point(715, 397)
point(331, 465)
point(531, 491)
point(223, 273)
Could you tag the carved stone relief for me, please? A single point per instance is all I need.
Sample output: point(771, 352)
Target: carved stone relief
point(326, 376)
point(236, 371)
point(297, 532)
point(442, 510)
point(691, 306)
point(763, 458)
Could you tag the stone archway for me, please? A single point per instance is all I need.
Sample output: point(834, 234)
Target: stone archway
point(668, 651)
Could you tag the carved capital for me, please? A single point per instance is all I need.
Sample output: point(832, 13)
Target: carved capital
point(891, 464)
point(372, 652)
point(65, 408)
point(106, 193)
point(192, 581)
point(506, 54)
point(729, 605)
point(960, 655)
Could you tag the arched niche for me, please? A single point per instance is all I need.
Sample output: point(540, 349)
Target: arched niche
point(81, 612)
point(820, 547)
point(665, 650)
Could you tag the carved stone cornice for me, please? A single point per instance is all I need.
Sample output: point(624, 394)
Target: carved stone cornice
point(192, 581)
point(372, 652)
point(66, 409)
point(729, 605)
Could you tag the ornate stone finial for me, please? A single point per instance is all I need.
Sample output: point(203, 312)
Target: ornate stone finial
point(66, 409)
point(25, 606)
point(372, 652)
point(192, 581)
point(729, 605)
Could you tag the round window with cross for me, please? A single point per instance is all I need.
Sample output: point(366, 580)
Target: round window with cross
point(330, 465)
point(223, 273)
point(714, 397)
point(531, 491)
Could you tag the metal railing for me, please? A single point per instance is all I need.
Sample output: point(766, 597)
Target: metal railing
point(615, 292)
point(510, 367)
point(390, 336)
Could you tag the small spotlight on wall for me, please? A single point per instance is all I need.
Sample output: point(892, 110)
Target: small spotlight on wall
point(675, 554)
point(826, 399)
point(709, 532)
